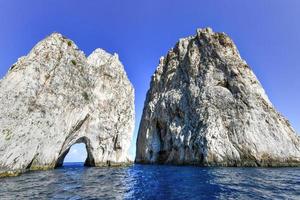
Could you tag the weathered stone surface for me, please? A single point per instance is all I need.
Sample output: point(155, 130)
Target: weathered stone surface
point(55, 97)
point(206, 107)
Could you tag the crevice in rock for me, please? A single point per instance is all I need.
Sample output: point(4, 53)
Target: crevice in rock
point(161, 133)
point(31, 162)
point(224, 84)
point(117, 145)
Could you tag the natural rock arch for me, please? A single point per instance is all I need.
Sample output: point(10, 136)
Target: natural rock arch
point(56, 96)
point(90, 161)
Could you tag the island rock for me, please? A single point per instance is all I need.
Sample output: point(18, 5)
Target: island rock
point(206, 107)
point(55, 97)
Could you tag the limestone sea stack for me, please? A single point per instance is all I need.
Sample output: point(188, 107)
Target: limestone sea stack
point(206, 107)
point(55, 97)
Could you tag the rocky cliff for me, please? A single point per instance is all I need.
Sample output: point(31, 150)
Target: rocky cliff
point(55, 97)
point(206, 107)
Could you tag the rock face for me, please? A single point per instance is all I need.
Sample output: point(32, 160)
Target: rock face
point(55, 97)
point(206, 107)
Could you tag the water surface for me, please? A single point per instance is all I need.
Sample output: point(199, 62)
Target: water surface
point(154, 182)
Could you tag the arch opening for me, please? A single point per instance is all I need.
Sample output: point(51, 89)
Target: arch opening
point(77, 153)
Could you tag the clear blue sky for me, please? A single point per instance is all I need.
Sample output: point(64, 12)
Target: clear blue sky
point(266, 32)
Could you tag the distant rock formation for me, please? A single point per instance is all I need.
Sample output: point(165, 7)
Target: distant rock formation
point(55, 97)
point(206, 107)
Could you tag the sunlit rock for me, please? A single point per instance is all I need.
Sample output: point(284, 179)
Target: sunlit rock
point(55, 97)
point(206, 107)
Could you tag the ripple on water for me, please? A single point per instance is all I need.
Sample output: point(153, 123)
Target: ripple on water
point(154, 182)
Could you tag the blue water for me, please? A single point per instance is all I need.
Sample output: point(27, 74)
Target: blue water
point(154, 182)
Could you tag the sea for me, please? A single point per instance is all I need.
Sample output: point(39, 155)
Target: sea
point(74, 181)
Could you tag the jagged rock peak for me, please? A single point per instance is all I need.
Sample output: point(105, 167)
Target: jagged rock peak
point(55, 97)
point(206, 107)
point(100, 57)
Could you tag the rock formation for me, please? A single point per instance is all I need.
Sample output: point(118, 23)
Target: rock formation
point(55, 97)
point(206, 107)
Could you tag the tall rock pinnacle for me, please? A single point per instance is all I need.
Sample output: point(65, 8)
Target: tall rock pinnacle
point(206, 107)
point(55, 97)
